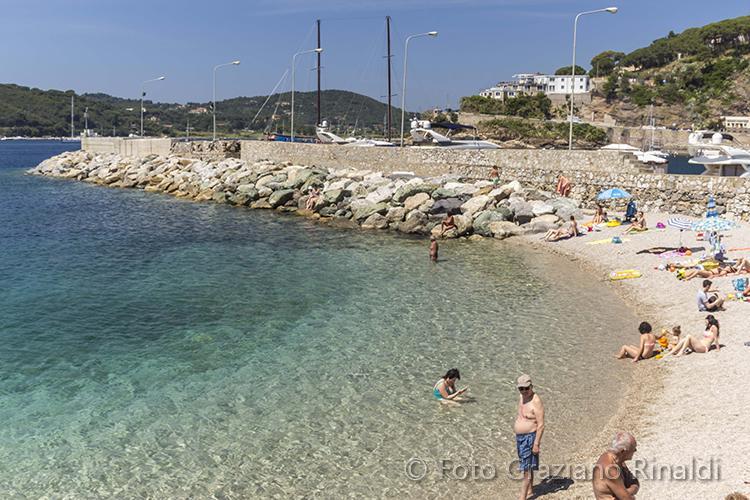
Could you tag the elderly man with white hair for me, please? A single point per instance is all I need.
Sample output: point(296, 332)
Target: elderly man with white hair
point(612, 479)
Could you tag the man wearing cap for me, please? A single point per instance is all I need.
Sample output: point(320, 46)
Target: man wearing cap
point(529, 428)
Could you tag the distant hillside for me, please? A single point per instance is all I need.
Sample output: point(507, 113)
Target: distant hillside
point(692, 78)
point(34, 112)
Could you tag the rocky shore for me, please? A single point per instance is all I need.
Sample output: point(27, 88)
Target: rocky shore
point(368, 199)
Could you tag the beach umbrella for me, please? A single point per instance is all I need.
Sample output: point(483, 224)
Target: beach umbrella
point(714, 223)
point(613, 194)
point(711, 208)
point(681, 224)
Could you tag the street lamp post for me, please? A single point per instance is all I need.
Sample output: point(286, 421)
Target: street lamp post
point(294, 59)
point(611, 10)
point(213, 106)
point(143, 94)
point(403, 87)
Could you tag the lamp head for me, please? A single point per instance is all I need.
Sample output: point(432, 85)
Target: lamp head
point(433, 33)
point(236, 63)
point(161, 78)
point(319, 50)
point(611, 10)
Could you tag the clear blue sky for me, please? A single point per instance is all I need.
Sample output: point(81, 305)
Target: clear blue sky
point(111, 46)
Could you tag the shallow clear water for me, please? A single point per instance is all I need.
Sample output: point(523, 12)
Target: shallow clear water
point(154, 347)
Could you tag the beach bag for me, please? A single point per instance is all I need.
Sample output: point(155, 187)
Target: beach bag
point(740, 284)
point(616, 239)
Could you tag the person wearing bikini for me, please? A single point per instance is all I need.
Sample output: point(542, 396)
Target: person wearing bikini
point(703, 345)
point(645, 348)
point(529, 427)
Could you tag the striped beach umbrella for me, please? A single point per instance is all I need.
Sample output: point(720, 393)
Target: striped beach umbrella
point(714, 223)
point(711, 208)
point(613, 194)
point(681, 224)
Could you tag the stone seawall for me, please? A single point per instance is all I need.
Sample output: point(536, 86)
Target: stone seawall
point(677, 194)
point(431, 161)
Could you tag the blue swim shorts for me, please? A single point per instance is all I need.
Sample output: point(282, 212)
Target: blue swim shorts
point(526, 459)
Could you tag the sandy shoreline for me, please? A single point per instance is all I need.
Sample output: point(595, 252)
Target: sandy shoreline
point(680, 409)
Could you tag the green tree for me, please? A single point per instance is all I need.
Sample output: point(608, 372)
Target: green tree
point(604, 64)
point(566, 70)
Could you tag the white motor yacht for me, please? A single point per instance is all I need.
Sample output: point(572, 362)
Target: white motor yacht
point(325, 136)
point(423, 134)
point(719, 153)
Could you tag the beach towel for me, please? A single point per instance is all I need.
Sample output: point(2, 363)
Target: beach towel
point(607, 240)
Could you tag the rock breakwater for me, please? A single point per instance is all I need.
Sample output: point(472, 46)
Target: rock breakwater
point(366, 198)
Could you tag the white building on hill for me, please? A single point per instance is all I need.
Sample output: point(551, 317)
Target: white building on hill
point(533, 83)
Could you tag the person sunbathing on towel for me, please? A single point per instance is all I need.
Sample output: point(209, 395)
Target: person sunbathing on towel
point(638, 225)
point(742, 266)
point(562, 233)
point(713, 273)
point(600, 216)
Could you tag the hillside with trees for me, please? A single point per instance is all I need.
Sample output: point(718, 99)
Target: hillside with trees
point(691, 78)
point(33, 112)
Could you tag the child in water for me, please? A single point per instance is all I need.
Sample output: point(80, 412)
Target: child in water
point(433, 249)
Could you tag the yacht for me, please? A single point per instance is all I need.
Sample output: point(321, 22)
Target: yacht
point(422, 133)
point(325, 136)
point(719, 153)
point(650, 157)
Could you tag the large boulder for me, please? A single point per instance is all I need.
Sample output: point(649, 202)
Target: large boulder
point(380, 195)
point(395, 214)
point(565, 207)
point(522, 210)
point(504, 229)
point(484, 219)
point(544, 223)
point(475, 204)
point(280, 197)
point(415, 222)
point(334, 195)
point(409, 189)
point(540, 208)
point(362, 212)
point(461, 188)
point(447, 206)
point(444, 193)
point(297, 177)
point(413, 202)
point(512, 186)
point(375, 221)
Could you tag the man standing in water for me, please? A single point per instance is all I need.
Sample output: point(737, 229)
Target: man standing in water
point(433, 249)
point(529, 428)
point(612, 479)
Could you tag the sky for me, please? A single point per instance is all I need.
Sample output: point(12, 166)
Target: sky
point(112, 46)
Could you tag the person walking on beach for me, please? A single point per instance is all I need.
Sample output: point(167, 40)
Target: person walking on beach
point(433, 249)
point(706, 303)
point(612, 480)
point(529, 427)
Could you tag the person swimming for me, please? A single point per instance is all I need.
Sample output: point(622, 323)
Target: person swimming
point(445, 388)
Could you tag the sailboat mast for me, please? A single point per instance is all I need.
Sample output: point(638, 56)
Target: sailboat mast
point(318, 54)
point(72, 112)
point(389, 115)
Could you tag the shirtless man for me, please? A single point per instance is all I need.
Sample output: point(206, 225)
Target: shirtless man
point(495, 175)
point(433, 249)
point(529, 428)
point(563, 186)
point(612, 480)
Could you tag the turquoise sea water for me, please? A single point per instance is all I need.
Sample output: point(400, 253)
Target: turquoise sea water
point(157, 348)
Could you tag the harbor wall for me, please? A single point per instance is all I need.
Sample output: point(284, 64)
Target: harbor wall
point(589, 171)
point(431, 161)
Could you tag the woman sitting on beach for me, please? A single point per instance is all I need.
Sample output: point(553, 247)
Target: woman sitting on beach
point(742, 266)
point(710, 336)
point(600, 216)
point(645, 347)
point(445, 388)
point(638, 225)
point(313, 198)
point(561, 234)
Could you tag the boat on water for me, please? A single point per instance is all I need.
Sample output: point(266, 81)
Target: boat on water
point(288, 138)
point(720, 154)
point(650, 157)
point(325, 136)
point(423, 134)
